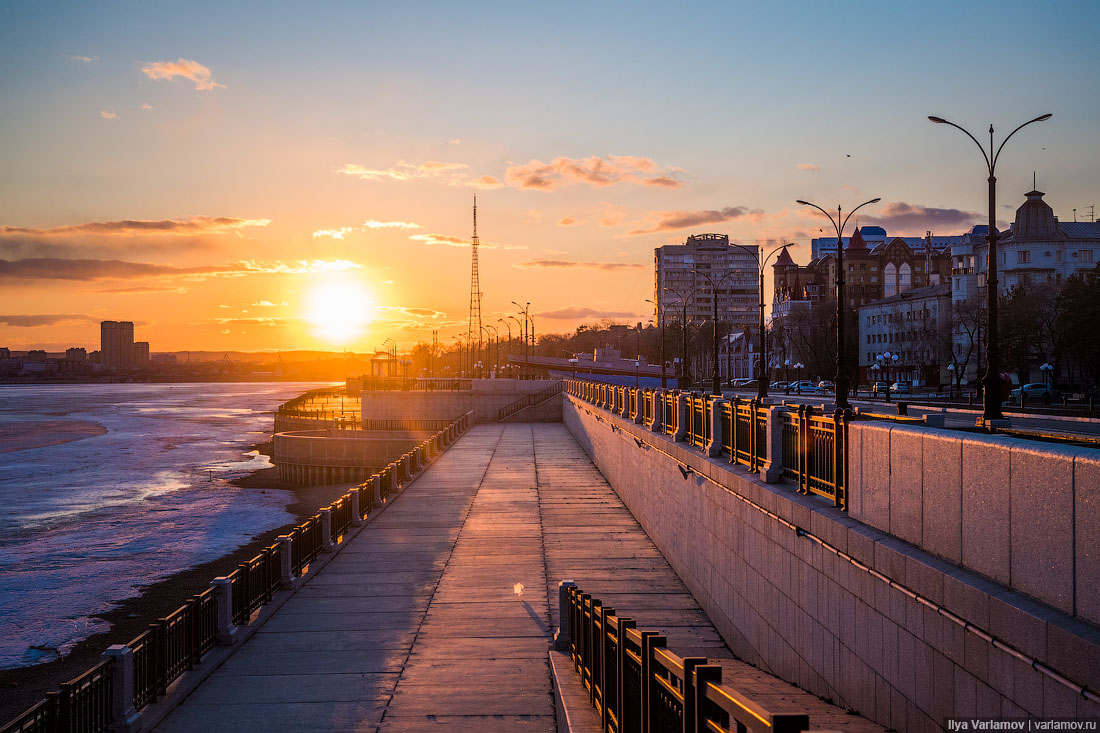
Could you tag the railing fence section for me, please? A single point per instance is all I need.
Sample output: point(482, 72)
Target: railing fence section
point(178, 642)
point(636, 683)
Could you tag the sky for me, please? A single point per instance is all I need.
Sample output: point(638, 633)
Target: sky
point(278, 175)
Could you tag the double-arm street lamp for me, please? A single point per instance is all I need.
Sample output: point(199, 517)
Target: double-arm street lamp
point(526, 317)
point(716, 387)
point(683, 330)
point(841, 379)
point(661, 321)
point(991, 411)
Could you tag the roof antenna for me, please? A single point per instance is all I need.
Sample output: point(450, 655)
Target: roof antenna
point(1034, 186)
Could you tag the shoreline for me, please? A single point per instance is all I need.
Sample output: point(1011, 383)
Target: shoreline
point(22, 687)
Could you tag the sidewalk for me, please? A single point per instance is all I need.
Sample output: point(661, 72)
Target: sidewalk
point(440, 613)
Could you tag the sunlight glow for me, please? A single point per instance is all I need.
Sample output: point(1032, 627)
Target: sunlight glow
point(339, 310)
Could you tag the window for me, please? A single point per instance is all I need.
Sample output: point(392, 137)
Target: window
point(1058, 255)
point(1086, 255)
point(1023, 257)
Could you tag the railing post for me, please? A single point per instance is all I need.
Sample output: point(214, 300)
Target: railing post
point(840, 459)
point(640, 398)
point(327, 545)
point(714, 445)
point(805, 412)
point(223, 594)
point(356, 517)
point(772, 468)
point(286, 560)
point(124, 716)
point(376, 490)
point(683, 406)
point(650, 639)
point(657, 400)
point(704, 674)
point(564, 633)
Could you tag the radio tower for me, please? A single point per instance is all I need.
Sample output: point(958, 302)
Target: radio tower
point(475, 296)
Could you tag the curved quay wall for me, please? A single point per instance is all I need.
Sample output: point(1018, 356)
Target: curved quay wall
point(311, 457)
point(801, 589)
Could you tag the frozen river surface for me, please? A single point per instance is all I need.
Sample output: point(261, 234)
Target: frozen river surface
point(90, 521)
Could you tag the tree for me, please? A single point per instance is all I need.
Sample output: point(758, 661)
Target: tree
point(1079, 304)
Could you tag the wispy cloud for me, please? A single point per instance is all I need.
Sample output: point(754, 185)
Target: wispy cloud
point(486, 182)
point(146, 107)
point(670, 221)
point(572, 264)
point(45, 319)
point(413, 311)
point(142, 289)
point(56, 268)
point(184, 68)
point(189, 226)
point(567, 221)
point(809, 167)
point(105, 114)
point(900, 217)
point(375, 224)
point(402, 171)
point(333, 233)
point(454, 141)
point(84, 59)
point(575, 312)
point(449, 241)
point(594, 171)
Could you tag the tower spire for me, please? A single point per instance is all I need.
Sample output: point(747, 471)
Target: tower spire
point(474, 325)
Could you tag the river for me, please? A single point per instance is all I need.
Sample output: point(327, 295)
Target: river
point(110, 487)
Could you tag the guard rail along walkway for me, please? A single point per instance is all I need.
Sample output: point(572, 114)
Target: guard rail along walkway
point(112, 694)
point(781, 442)
point(636, 683)
point(530, 400)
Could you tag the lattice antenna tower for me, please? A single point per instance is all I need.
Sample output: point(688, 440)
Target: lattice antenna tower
point(474, 325)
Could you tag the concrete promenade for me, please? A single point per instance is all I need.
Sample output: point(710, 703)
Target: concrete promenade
point(441, 611)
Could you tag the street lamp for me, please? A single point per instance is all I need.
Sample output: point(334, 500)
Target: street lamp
point(661, 319)
point(1047, 370)
point(951, 376)
point(683, 331)
point(524, 310)
point(716, 386)
point(496, 360)
point(573, 363)
point(798, 377)
point(991, 410)
point(841, 379)
point(637, 367)
point(787, 374)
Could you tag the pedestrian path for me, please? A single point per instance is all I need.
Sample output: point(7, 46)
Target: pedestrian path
point(440, 613)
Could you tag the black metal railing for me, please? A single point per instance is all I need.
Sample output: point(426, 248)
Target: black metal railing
point(815, 453)
point(529, 401)
point(177, 642)
point(635, 682)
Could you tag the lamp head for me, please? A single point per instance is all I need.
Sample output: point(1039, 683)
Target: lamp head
point(937, 120)
point(804, 203)
point(1042, 118)
point(874, 201)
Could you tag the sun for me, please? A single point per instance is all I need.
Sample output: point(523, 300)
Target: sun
point(339, 310)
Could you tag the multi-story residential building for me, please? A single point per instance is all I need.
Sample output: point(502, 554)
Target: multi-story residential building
point(141, 354)
point(76, 354)
point(873, 236)
point(914, 324)
point(679, 281)
point(116, 339)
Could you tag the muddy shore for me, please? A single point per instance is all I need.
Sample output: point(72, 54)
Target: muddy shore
point(22, 687)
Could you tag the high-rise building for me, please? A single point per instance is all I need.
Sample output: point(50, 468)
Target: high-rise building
point(681, 274)
point(76, 354)
point(116, 343)
point(141, 354)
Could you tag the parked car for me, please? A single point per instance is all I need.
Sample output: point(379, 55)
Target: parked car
point(742, 382)
point(826, 386)
point(778, 385)
point(879, 388)
point(900, 387)
point(805, 386)
point(1034, 391)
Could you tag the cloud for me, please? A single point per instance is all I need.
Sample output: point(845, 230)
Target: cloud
point(193, 225)
point(184, 68)
point(142, 289)
point(258, 321)
point(265, 304)
point(45, 319)
point(571, 264)
point(567, 221)
point(487, 182)
point(107, 115)
point(901, 216)
point(534, 216)
point(809, 167)
point(449, 241)
point(594, 171)
point(333, 233)
point(454, 141)
point(55, 268)
point(84, 59)
point(575, 312)
point(403, 172)
point(669, 221)
point(375, 224)
point(412, 311)
point(146, 107)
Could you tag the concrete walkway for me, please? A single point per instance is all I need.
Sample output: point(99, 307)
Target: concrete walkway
point(440, 613)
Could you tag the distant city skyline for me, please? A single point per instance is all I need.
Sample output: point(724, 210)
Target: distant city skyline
point(303, 180)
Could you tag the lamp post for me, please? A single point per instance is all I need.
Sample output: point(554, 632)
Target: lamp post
point(798, 376)
point(787, 374)
point(526, 360)
point(1047, 371)
point(683, 331)
point(991, 408)
point(951, 376)
point(496, 355)
point(716, 386)
point(841, 379)
point(661, 320)
point(573, 363)
point(637, 368)
point(509, 327)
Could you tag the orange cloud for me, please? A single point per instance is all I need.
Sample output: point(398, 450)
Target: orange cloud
point(107, 115)
point(565, 264)
point(915, 218)
point(58, 268)
point(191, 226)
point(567, 221)
point(575, 312)
point(594, 171)
point(185, 68)
point(668, 221)
point(375, 224)
point(45, 319)
point(486, 182)
point(333, 233)
point(809, 167)
point(403, 172)
point(449, 241)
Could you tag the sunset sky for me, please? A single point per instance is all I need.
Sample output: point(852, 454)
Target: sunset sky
point(245, 175)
